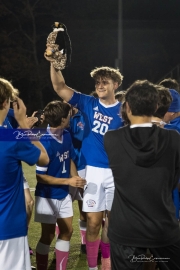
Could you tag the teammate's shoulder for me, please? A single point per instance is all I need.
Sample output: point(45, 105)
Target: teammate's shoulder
point(114, 132)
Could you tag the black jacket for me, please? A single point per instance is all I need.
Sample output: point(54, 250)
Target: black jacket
point(145, 162)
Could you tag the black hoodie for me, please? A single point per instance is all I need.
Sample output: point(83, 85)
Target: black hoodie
point(145, 162)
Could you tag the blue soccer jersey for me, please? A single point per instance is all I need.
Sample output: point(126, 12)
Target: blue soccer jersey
point(76, 130)
point(175, 193)
point(176, 122)
point(60, 153)
point(13, 218)
point(99, 118)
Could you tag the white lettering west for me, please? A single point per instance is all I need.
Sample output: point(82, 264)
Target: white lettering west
point(64, 156)
point(103, 118)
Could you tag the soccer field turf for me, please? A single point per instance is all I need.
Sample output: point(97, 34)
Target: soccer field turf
point(76, 260)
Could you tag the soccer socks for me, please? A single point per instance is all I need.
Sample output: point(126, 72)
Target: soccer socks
point(62, 253)
point(82, 227)
point(92, 253)
point(42, 251)
point(105, 249)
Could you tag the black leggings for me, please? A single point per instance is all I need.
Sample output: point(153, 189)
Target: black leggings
point(127, 258)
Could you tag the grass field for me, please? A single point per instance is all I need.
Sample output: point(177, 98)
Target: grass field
point(76, 260)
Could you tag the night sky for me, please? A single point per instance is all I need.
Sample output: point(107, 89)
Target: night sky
point(150, 39)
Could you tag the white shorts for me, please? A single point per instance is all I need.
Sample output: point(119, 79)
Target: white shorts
point(14, 254)
point(25, 183)
point(99, 191)
point(75, 192)
point(49, 210)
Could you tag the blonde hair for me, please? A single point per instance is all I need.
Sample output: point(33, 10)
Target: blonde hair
point(7, 91)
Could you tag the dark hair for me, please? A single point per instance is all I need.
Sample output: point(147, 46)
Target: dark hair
point(55, 111)
point(120, 95)
point(107, 72)
point(142, 98)
point(170, 83)
point(124, 114)
point(164, 101)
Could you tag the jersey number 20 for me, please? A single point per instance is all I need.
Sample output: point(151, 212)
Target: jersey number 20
point(101, 128)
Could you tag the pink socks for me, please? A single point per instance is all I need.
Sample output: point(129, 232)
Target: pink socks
point(62, 253)
point(105, 249)
point(92, 252)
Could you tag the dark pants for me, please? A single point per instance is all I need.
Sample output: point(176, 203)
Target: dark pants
point(127, 258)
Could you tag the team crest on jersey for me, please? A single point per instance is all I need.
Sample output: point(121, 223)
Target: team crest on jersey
point(58, 154)
point(96, 108)
point(80, 125)
point(90, 203)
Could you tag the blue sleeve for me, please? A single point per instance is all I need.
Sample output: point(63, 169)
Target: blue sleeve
point(27, 152)
point(47, 146)
point(72, 153)
point(77, 125)
point(12, 119)
point(80, 100)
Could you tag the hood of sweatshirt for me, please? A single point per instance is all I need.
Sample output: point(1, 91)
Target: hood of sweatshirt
point(145, 145)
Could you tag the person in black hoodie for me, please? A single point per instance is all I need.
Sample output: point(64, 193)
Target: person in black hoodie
point(145, 161)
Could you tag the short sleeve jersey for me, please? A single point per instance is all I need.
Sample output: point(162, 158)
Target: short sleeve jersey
point(99, 118)
point(60, 153)
point(13, 218)
point(76, 130)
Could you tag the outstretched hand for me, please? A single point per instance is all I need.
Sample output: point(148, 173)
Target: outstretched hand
point(76, 181)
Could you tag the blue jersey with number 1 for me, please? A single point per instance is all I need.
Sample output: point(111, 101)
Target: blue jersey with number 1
point(99, 118)
point(60, 153)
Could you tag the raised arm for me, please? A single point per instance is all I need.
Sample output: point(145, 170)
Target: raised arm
point(20, 116)
point(59, 84)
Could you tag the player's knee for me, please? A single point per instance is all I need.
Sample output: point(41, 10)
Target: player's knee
point(93, 227)
point(47, 238)
point(66, 235)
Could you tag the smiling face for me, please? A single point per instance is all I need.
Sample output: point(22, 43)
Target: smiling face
point(105, 88)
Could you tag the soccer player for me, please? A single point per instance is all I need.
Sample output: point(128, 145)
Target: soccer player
point(10, 122)
point(173, 114)
point(76, 129)
point(52, 200)
point(14, 250)
point(100, 114)
point(145, 161)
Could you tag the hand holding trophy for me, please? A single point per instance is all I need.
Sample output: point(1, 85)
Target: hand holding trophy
point(58, 45)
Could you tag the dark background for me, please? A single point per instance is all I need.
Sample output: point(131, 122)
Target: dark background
point(150, 38)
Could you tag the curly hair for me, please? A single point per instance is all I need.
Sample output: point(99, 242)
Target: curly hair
point(107, 72)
